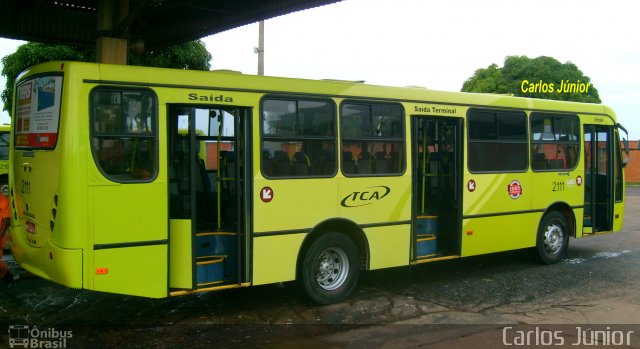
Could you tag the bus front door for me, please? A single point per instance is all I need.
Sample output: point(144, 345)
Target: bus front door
point(207, 203)
point(436, 186)
point(598, 181)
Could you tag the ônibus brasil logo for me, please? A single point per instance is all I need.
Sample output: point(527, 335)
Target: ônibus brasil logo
point(366, 197)
point(32, 337)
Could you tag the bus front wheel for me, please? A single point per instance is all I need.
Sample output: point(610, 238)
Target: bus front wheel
point(553, 238)
point(329, 269)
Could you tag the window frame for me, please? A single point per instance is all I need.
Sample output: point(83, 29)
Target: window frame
point(402, 138)
point(298, 98)
point(470, 141)
point(577, 142)
point(154, 137)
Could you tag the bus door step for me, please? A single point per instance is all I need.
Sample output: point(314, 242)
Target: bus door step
point(587, 220)
point(210, 271)
point(434, 258)
point(427, 224)
point(212, 243)
point(426, 245)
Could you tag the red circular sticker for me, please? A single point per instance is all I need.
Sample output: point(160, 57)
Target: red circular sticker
point(266, 194)
point(579, 181)
point(515, 189)
point(471, 185)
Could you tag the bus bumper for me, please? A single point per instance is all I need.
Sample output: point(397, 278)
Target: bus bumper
point(51, 262)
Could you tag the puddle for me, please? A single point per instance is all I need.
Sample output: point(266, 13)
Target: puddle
point(573, 261)
point(610, 254)
point(597, 255)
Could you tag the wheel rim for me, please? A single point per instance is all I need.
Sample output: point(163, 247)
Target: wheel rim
point(332, 268)
point(553, 239)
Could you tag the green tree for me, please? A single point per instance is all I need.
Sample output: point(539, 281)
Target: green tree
point(189, 55)
point(542, 70)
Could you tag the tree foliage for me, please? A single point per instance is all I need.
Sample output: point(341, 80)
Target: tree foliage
point(191, 55)
point(510, 79)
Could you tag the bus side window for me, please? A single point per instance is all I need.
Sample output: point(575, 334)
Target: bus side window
point(298, 138)
point(493, 132)
point(124, 136)
point(372, 134)
point(555, 139)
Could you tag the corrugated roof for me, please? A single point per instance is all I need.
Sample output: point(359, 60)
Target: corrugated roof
point(158, 23)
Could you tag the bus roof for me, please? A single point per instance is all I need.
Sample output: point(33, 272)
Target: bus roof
point(223, 81)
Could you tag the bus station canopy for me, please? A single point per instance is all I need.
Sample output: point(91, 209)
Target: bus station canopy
point(156, 23)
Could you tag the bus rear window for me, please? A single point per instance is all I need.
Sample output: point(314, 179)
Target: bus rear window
point(38, 112)
point(5, 138)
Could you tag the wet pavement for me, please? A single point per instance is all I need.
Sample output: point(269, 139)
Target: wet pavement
point(597, 283)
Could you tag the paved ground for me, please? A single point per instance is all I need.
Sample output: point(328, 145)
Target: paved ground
point(466, 302)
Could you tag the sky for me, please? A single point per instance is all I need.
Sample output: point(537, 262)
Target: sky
point(439, 44)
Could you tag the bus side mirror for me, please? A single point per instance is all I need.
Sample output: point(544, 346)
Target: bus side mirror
point(625, 143)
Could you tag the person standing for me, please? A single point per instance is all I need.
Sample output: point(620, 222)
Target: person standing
point(5, 213)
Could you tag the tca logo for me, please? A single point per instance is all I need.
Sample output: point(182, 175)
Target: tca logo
point(367, 197)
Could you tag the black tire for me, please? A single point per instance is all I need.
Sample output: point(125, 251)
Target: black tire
point(329, 269)
point(552, 241)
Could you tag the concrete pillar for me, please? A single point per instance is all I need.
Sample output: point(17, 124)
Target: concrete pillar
point(111, 49)
point(261, 48)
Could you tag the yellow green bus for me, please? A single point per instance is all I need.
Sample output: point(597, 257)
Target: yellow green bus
point(158, 182)
point(5, 137)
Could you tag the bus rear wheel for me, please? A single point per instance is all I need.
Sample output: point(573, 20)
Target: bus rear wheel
point(553, 238)
point(329, 269)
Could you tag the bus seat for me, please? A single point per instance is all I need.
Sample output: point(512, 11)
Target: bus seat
point(228, 168)
point(227, 162)
point(539, 162)
point(364, 162)
point(314, 152)
point(328, 162)
point(202, 179)
point(380, 163)
point(267, 163)
point(557, 164)
point(282, 165)
point(396, 164)
point(447, 161)
point(348, 165)
point(113, 157)
point(301, 164)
